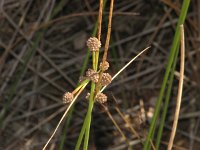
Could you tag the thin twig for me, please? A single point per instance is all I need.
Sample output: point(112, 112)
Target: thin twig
point(108, 33)
point(126, 120)
point(180, 90)
point(116, 125)
point(96, 54)
point(100, 19)
point(81, 14)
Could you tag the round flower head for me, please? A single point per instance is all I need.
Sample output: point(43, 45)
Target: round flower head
point(101, 98)
point(106, 79)
point(94, 78)
point(68, 97)
point(105, 67)
point(92, 75)
point(93, 44)
point(90, 72)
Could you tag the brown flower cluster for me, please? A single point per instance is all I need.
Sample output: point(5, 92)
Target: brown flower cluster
point(92, 75)
point(93, 44)
point(68, 97)
point(105, 67)
point(106, 79)
point(101, 98)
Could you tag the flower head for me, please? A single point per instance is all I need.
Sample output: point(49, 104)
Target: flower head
point(90, 72)
point(105, 67)
point(106, 79)
point(92, 75)
point(94, 78)
point(68, 97)
point(93, 44)
point(101, 98)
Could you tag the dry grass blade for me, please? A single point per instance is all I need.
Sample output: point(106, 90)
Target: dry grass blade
point(126, 66)
point(65, 113)
point(180, 90)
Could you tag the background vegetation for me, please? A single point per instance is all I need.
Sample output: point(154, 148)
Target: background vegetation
point(43, 52)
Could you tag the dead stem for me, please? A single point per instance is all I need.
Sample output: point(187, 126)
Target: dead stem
point(96, 54)
point(125, 120)
point(180, 90)
point(106, 45)
point(100, 19)
point(108, 33)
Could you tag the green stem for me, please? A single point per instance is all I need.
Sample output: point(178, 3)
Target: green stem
point(87, 122)
point(86, 125)
point(78, 144)
point(97, 60)
point(168, 69)
point(164, 113)
point(86, 60)
point(93, 60)
point(89, 116)
point(80, 86)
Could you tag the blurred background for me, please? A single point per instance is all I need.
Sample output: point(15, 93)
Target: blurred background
point(43, 53)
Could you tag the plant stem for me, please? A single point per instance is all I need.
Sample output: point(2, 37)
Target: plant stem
point(78, 144)
point(168, 69)
point(89, 116)
point(95, 56)
point(180, 89)
point(64, 115)
point(164, 113)
point(101, 5)
point(98, 86)
point(86, 60)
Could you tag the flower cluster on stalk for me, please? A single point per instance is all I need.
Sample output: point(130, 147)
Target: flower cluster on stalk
point(100, 77)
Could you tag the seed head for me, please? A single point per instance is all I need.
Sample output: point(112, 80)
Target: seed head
point(106, 79)
point(68, 97)
point(105, 67)
point(92, 75)
point(93, 44)
point(94, 78)
point(101, 98)
point(90, 72)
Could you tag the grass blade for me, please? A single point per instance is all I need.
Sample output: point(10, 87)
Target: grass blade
point(167, 72)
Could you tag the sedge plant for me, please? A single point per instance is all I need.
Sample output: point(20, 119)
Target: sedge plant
point(96, 76)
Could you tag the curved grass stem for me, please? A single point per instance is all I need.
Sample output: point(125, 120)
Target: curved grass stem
point(64, 115)
point(180, 90)
point(175, 43)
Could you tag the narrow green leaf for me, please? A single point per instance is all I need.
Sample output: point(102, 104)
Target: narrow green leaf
point(171, 59)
